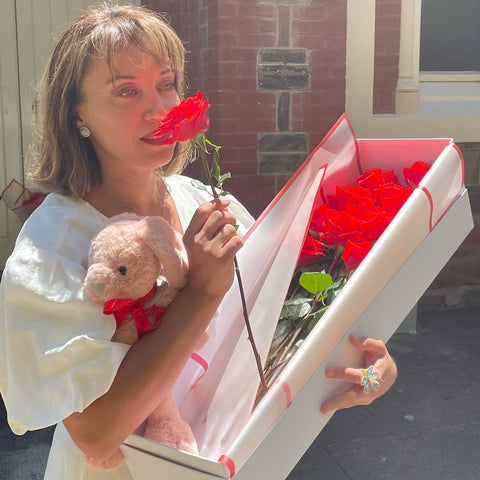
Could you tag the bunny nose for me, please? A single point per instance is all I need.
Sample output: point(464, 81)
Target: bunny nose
point(97, 288)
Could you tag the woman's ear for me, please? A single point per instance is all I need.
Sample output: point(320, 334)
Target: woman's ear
point(79, 120)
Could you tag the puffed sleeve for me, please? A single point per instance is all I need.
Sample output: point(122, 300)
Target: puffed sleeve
point(56, 356)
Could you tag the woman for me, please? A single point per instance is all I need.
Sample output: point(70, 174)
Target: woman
point(113, 74)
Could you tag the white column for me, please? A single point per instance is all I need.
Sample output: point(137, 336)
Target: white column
point(360, 59)
point(408, 94)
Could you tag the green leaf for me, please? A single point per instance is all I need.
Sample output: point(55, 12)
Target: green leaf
point(282, 328)
point(211, 143)
point(315, 282)
point(224, 177)
point(201, 141)
point(296, 308)
point(216, 171)
point(199, 185)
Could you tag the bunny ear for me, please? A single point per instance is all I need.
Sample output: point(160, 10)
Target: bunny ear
point(167, 244)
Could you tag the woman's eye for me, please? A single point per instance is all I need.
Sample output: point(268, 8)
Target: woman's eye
point(168, 86)
point(129, 92)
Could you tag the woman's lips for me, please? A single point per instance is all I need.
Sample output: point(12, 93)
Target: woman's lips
point(154, 140)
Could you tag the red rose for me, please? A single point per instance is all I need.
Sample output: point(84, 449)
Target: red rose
point(319, 218)
point(355, 194)
point(361, 206)
point(312, 250)
point(375, 177)
point(374, 224)
point(340, 227)
point(389, 176)
point(357, 215)
point(415, 173)
point(391, 197)
point(354, 254)
point(185, 121)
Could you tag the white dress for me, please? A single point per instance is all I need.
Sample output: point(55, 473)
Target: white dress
point(56, 356)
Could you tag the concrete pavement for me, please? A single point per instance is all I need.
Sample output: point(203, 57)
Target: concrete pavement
point(426, 428)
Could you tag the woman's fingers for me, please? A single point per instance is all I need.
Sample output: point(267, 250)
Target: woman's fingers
point(219, 224)
point(371, 345)
point(212, 222)
point(357, 376)
point(349, 398)
point(203, 213)
point(212, 242)
point(357, 394)
point(218, 236)
point(368, 383)
point(352, 375)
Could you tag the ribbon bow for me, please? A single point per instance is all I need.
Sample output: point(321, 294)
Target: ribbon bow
point(146, 319)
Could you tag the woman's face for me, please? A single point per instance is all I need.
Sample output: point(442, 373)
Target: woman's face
point(122, 114)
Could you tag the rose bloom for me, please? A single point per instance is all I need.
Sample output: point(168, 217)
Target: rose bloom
point(415, 173)
point(356, 215)
point(354, 254)
point(185, 121)
point(375, 177)
point(392, 196)
point(312, 250)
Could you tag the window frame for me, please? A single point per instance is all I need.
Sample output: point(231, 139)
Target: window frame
point(407, 121)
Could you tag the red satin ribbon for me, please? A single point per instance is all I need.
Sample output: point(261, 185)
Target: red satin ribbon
point(145, 320)
point(229, 463)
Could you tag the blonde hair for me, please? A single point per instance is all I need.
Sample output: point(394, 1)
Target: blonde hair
point(63, 160)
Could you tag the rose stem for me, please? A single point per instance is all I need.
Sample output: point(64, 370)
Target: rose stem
point(239, 279)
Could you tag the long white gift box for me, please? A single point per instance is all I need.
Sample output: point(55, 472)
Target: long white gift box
point(234, 442)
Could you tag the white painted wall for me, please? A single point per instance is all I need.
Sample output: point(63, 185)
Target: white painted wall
point(27, 31)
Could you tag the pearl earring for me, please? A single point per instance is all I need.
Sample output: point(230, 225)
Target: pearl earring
point(84, 132)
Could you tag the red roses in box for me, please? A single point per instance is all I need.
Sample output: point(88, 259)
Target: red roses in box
point(357, 215)
point(340, 235)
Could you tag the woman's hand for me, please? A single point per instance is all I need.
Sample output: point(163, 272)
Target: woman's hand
point(212, 242)
point(376, 354)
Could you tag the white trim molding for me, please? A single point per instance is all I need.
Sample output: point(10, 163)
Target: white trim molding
point(423, 109)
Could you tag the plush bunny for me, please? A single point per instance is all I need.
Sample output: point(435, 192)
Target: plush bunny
point(136, 266)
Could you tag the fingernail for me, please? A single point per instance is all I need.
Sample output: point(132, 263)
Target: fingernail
point(222, 201)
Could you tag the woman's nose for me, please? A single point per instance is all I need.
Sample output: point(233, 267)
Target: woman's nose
point(158, 106)
point(155, 110)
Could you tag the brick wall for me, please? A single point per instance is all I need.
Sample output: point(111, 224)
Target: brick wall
point(183, 16)
point(275, 78)
point(239, 110)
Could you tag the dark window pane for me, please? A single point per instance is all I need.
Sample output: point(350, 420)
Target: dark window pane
point(450, 35)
